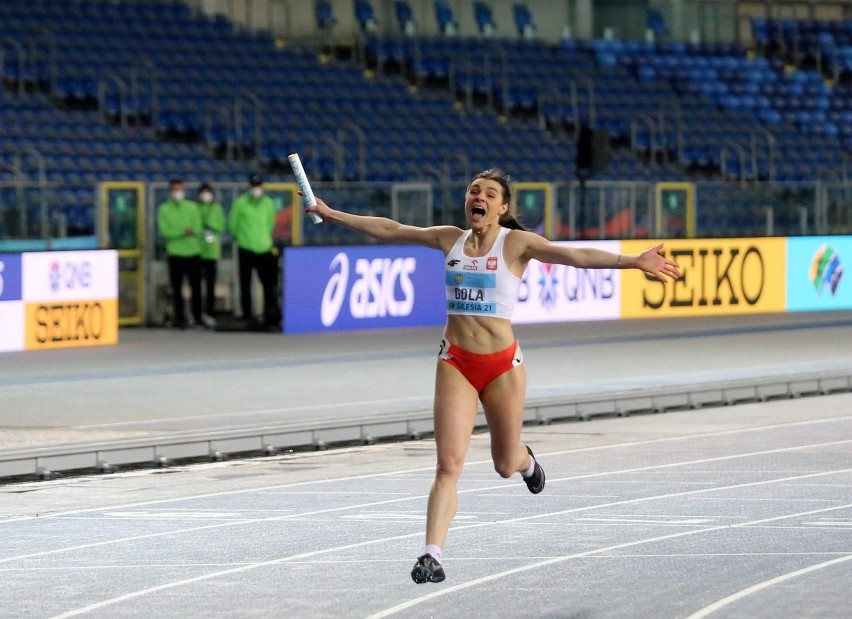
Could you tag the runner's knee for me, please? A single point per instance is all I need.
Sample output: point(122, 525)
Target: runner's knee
point(449, 466)
point(505, 467)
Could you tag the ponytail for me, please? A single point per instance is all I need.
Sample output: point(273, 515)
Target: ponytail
point(507, 220)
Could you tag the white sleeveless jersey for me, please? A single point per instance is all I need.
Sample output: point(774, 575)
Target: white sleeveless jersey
point(482, 285)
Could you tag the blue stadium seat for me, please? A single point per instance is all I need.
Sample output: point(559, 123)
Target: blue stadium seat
point(656, 23)
point(484, 18)
point(405, 17)
point(365, 16)
point(444, 18)
point(523, 20)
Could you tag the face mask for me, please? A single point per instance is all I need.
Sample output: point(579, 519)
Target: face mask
point(256, 192)
point(206, 197)
point(177, 196)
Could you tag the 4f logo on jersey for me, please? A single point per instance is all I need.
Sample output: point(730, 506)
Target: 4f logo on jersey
point(453, 263)
point(491, 264)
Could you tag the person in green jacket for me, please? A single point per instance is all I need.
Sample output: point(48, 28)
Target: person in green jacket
point(251, 221)
point(179, 223)
point(213, 224)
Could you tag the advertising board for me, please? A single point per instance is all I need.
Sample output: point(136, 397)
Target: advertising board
point(58, 299)
point(815, 273)
point(556, 293)
point(719, 276)
point(362, 287)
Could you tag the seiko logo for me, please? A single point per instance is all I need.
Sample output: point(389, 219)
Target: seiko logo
point(373, 293)
point(69, 322)
point(711, 276)
point(453, 263)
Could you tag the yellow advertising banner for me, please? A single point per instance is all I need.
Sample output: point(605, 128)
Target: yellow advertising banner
point(62, 324)
point(718, 276)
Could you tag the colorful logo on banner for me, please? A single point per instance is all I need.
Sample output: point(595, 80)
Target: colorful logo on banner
point(719, 276)
point(557, 293)
point(815, 273)
point(826, 270)
point(333, 288)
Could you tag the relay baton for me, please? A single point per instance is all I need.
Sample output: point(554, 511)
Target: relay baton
point(304, 185)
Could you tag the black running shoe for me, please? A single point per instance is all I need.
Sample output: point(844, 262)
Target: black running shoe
point(535, 482)
point(427, 569)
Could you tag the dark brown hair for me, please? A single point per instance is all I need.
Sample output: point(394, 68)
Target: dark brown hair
point(507, 220)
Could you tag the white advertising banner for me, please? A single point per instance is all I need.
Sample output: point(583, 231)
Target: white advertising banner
point(70, 276)
point(11, 325)
point(556, 293)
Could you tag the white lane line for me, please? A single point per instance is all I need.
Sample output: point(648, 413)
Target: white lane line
point(802, 528)
point(647, 521)
point(478, 581)
point(554, 495)
point(769, 500)
point(644, 482)
point(473, 490)
point(503, 559)
point(139, 566)
point(141, 592)
point(676, 516)
point(824, 485)
point(432, 468)
point(709, 610)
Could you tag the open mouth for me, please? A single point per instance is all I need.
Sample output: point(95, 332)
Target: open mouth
point(477, 211)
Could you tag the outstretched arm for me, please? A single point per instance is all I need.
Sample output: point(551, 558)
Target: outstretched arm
point(388, 230)
point(651, 261)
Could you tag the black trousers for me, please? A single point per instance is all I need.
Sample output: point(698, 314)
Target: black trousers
point(181, 268)
point(266, 266)
point(208, 279)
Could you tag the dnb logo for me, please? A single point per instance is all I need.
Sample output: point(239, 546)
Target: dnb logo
point(826, 269)
point(54, 276)
point(70, 275)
